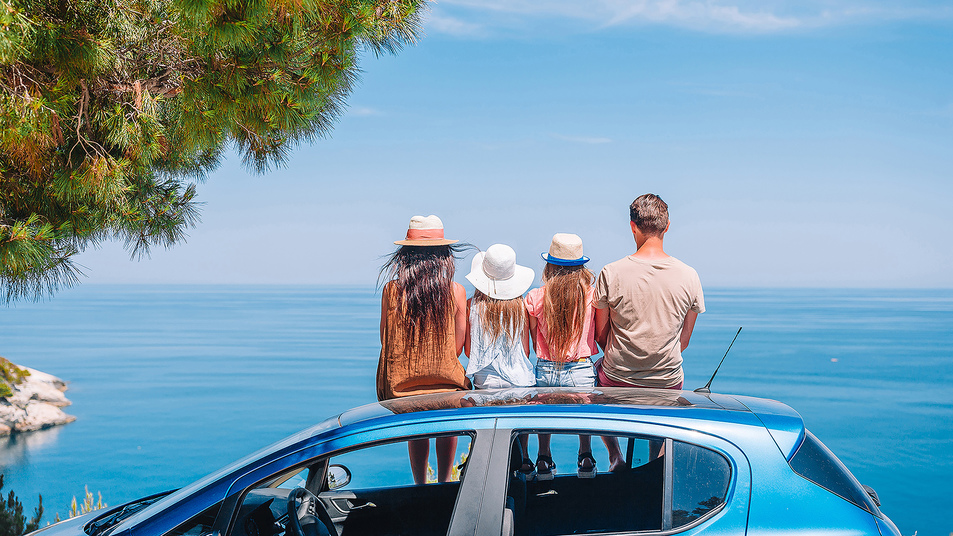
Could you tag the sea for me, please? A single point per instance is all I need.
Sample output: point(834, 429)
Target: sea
point(169, 383)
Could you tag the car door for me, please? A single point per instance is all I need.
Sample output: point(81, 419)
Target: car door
point(703, 485)
point(373, 502)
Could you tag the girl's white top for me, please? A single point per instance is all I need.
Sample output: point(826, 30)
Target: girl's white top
point(501, 356)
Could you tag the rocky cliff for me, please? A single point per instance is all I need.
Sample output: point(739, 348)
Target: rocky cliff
point(35, 404)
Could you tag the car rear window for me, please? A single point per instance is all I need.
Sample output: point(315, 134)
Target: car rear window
point(818, 464)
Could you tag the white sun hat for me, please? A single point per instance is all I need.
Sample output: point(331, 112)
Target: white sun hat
point(495, 273)
point(425, 231)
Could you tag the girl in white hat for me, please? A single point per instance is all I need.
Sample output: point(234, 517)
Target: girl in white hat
point(497, 340)
point(423, 327)
point(563, 331)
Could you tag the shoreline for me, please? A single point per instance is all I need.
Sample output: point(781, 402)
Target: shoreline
point(36, 404)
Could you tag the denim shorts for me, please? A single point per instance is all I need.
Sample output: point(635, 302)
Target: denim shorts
point(573, 374)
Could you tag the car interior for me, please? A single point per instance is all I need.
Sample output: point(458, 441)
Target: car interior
point(362, 492)
point(369, 491)
point(629, 500)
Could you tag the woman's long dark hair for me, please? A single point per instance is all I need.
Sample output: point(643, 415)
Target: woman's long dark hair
point(424, 279)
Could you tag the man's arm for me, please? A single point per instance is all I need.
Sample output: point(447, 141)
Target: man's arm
point(687, 328)
point(602, 327)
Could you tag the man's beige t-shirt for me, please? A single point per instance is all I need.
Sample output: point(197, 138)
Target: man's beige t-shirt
point(647, 302)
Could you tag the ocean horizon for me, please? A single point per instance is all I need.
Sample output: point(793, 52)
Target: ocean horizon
point(171, 382)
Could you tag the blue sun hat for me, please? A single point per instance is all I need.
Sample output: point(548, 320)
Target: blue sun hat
point(565, 250)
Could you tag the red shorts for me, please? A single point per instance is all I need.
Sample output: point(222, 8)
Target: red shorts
point(604, 381)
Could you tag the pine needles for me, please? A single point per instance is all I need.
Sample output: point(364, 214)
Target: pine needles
point(112, 110)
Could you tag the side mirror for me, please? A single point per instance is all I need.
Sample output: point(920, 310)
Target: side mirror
point(873, 494)
point(338, 476)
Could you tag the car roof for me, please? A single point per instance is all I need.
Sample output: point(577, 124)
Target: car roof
point(784, 424)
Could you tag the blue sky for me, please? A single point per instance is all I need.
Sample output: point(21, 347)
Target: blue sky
point(798, 143)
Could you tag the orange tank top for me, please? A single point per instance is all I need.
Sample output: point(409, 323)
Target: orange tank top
point(403, 370)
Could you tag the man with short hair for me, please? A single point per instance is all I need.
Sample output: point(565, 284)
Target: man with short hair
point(647, 304)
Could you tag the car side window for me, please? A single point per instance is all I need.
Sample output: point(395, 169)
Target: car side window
point(376, 492)
point(368, 490)
point(700, 479)
point(629, 499)
point(198, 525)
point(388, 465)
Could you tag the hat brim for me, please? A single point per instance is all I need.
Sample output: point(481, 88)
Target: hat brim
point(505, 289)
point(564, 262)
point(436, 242)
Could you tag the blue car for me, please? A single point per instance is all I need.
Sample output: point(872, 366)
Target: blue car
point(694, 463)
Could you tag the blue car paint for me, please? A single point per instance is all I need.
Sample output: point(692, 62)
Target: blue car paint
point(758, 436)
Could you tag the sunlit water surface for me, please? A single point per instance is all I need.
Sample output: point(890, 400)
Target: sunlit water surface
point(170, 383)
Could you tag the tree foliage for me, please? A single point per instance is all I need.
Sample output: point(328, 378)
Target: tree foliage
point(111, 110)
point(12, 520)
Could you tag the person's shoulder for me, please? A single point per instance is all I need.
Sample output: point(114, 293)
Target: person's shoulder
point(534, 299)
point(615, 266)
point(680, 264)
point(683, 267)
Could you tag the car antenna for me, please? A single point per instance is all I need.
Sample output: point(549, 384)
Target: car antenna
point(706, 389)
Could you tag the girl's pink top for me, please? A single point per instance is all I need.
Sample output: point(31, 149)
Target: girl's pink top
point(587, 342)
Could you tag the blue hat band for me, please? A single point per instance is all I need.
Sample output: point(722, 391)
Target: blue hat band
point(564, 262)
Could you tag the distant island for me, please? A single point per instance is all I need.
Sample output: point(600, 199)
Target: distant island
point(30, 399)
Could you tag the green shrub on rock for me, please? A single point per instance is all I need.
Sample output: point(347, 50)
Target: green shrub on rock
point(10, 375)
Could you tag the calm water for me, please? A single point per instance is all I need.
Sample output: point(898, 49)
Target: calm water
point(170, 383)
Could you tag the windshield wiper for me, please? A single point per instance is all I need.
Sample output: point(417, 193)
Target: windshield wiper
point(100, 525)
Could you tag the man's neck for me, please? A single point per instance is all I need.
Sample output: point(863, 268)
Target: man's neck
point(650, 249)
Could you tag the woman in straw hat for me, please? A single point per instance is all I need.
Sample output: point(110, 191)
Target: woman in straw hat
point(423, 327)
point(563, 332)
point(497, 341)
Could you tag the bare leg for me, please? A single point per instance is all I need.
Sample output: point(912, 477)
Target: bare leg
point(544, 445)
point(419, 450)
point(585, 444)
point(616, 460)
point(446, 451)
point(524, 445)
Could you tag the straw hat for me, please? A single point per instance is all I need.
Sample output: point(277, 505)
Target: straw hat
point(425, 231)
point(565, 250)
point(495, 273)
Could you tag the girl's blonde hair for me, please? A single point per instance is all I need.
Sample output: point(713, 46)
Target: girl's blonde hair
point(500, 317)
point(564, 307)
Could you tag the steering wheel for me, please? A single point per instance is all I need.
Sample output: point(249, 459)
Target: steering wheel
point(309, 518)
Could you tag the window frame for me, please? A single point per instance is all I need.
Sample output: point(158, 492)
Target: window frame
point(319, 454)
point(738, 492)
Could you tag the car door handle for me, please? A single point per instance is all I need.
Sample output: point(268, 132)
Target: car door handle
point(368, 504)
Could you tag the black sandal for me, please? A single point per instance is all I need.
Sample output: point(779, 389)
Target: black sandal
point(528, 469)
point(581, 470)
point(545, 467)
